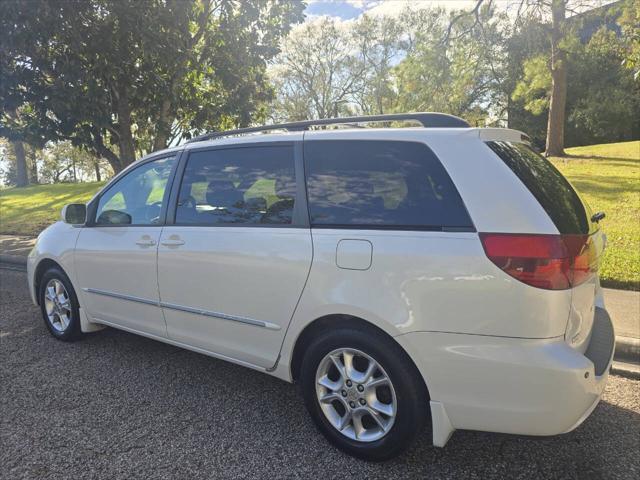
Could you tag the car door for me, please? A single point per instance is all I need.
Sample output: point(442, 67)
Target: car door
point(116, 253)
point(234, 261)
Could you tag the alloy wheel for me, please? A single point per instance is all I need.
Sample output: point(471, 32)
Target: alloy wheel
point(356, 395)
point(57, 305)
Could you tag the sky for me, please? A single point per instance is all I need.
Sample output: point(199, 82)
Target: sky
point(351, 9)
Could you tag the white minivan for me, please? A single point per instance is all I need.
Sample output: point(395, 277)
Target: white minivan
point(441, 276)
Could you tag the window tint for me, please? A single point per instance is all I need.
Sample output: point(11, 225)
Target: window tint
point(250, 185)
point(554, 193)
point(380, 183)
point(137, 197)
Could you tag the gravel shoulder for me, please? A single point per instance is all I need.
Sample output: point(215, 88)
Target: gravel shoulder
point(116, 405)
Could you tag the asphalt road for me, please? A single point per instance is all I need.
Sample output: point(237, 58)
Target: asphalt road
point(116, 405)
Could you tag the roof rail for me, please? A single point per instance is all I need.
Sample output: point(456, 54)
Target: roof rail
point(427, 119)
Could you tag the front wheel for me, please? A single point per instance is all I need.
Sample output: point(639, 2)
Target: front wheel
point(59, 305)
point(363, 392)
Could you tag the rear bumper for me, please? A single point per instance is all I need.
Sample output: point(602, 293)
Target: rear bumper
point(511, 385)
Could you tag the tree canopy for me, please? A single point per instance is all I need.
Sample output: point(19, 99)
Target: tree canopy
point(124, 77)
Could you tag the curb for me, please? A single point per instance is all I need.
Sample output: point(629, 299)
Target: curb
point(627, 370)
point(13, 259)
point(627, 349)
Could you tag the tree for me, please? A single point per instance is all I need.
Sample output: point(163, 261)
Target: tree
point(629, 22)
point(602, 101)
point(22, 178)
point(379, 43)
point(526, 44)
point(318, 72)
point(555, 12)
point(452, 65)
point(383, 64)
point(137, 75)
point(62, 162)
point(558, 67)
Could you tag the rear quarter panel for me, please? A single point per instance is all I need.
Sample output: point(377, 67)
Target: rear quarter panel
point(425, 281)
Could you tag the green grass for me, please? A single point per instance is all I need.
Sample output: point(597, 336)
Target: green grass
point(28, 210)
point(608, 177)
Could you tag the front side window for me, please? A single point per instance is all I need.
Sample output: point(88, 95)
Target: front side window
point(380, 184)
point(137, 198)
point(238, 186)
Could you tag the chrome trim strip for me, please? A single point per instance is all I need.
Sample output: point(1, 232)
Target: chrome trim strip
point(181, 308)
point(121, 296)
point(225, 316)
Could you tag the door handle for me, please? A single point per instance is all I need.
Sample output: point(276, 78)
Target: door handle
point(172, 242)
point(146, 242)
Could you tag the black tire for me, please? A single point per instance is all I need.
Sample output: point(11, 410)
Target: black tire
point(411, 393)
point(72, 331)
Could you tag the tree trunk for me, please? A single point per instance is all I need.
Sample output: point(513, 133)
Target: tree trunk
point(97, 169)
point(103, 151)
point(163, 127)
point(33, 167)
point(126, 144)
point(22, 179)
point(557, 105)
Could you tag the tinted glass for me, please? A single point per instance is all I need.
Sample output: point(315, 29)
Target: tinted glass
point(137, 198)
point(251, 185)
point(554, 193)
point(380, 183)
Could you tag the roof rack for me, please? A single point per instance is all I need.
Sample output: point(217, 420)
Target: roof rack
point(427, 119)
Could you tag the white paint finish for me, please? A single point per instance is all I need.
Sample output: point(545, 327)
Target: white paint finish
point(500, 135)
point(440, 424)
point(583, 302)
point(87, 326)
point(256, 273)
point(496, 199)
point(354, 254)
point(186, 346)
point(453, 311)
point(57, 243)
point(428, 281)
point(120, 260)
point(531, 387)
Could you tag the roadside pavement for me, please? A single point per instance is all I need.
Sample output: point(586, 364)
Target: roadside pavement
point(15, 248)
point(623, 305)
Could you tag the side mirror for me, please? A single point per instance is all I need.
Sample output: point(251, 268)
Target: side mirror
point(74, 213)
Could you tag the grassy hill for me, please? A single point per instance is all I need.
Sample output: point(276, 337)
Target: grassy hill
point(28, 210)
point(608, 176)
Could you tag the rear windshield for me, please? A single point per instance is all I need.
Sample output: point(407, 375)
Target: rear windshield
point(380, 184)
point(554, 193)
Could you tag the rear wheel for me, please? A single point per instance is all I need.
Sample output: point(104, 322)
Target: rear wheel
point(363, 393)
point(59, 305)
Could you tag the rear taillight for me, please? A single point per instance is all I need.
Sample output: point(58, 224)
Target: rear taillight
point(552, 262)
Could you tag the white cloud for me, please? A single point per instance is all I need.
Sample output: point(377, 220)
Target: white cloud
point(394, 7)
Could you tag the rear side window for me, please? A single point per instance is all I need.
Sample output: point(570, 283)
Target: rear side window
point(554, 192)
point(380, 184)
point(248, 185)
